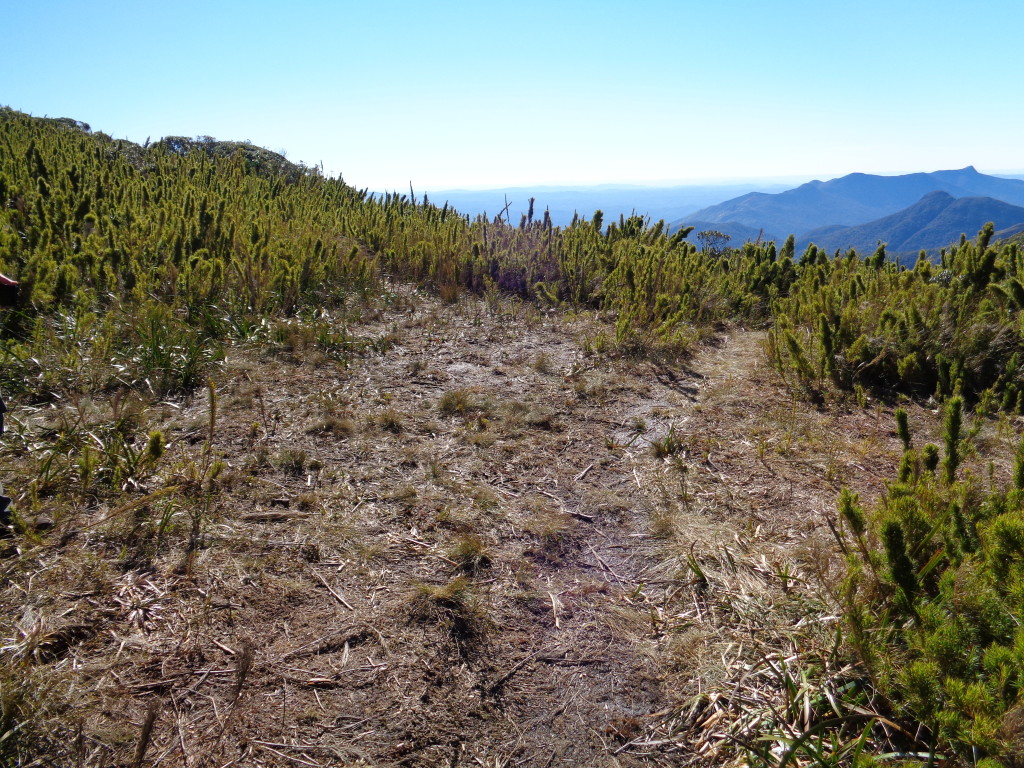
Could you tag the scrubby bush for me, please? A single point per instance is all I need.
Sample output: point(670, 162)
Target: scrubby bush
point(934, 600)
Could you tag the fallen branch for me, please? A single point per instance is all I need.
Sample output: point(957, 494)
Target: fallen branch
point(497, 684)
point(337, 597)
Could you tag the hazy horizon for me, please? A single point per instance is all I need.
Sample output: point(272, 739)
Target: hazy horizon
point(484, 186)
point(491, 186)
point(721, 182)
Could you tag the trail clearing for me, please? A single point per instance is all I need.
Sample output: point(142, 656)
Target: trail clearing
point(475, 546)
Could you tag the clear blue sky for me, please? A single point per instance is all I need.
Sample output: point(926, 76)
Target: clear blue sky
point(450, 94)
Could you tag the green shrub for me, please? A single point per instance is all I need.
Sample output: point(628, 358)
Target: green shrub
point(934, 602)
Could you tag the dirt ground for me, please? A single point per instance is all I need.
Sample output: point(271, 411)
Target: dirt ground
point(477, 545)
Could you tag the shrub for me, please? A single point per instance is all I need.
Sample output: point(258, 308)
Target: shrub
point(934, 599)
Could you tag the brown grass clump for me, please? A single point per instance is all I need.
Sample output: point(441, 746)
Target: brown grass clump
point(454, 607)
point(455, 402)
point(543, 364)
point(471, 554)
point(340, 427)
point(291, 461)
point(551, 527)
point(391, 421)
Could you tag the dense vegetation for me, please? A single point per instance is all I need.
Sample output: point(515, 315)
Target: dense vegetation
point(937, 329)
point(934, 598)
point(207, 239)
point(138, 264)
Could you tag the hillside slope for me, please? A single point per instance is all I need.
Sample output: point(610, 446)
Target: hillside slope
point(934, 222)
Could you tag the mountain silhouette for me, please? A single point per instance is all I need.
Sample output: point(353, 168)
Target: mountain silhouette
point(857, 198)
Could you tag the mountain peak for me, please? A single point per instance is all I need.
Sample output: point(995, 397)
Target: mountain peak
point(969, 170)
point(938, 194)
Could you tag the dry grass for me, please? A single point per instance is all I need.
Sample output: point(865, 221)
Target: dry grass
point(446, 556)
point(340, 427)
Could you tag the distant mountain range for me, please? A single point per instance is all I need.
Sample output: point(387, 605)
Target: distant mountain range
point(912, 212)
point(918, 211)
point(854, 199)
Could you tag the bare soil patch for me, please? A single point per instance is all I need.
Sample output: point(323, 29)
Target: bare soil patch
point(475, 546)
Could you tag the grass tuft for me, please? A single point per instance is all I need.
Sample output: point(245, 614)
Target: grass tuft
point(471, 554)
